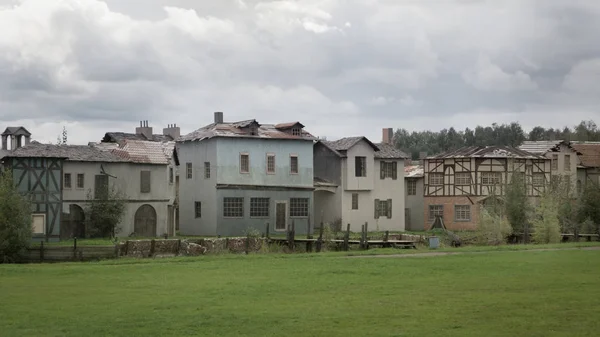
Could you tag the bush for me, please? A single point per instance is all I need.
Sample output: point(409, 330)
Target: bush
point(546, 224)
point(105, 213)
point(15, 220)
point(493, 229)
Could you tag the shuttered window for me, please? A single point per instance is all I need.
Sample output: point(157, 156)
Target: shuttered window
point(145, 181)
point(383, 208)
point(67, 180)
point(100, 186)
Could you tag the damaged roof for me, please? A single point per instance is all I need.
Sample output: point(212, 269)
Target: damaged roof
point(242, 129)
point(80, 153)
point(382, 150)
point(413, 171)
point(387, 151)
point(119, 137)
point(543, 146)
point(146, 152)
point(487, 152)
point(590, 153)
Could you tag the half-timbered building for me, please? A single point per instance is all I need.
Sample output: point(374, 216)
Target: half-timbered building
point(458, 183)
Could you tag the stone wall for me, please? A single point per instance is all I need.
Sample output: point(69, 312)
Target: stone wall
point(188, 247)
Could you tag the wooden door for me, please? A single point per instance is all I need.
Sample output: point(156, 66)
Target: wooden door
point(145, 221)
point(280, 215)
point(407, 225)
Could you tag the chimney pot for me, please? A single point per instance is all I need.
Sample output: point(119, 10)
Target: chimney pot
point(218, 117)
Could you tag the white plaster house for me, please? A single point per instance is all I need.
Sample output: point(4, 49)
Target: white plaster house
point(358, 182)
point(415, 200)
point(142, 170)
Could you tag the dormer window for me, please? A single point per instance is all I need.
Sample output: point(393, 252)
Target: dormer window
point(253, 130)
point(296, 132)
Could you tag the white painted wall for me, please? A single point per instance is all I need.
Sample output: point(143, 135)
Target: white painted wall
point(352, 182)
point(128, 181)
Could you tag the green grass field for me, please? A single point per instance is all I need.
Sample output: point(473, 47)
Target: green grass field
point(501, 293)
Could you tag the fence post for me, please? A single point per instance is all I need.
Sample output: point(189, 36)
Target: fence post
point(42, 251)
point(267, 231)
point(74, 248)
point(347, 238)
point(292, 236)
point(320, 240)
point(366, 236)
point(152, 244)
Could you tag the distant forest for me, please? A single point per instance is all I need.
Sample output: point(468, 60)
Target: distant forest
point(511, 134)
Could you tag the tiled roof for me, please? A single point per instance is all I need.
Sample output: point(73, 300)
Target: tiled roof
point(543, 146)
point(238, 130)
point(487, 152)
point(414, 171)
point(288, 125)
point(344, 144)
point(120, 137)
point(590, 153)
point(81, 153)
point(387, 151)
point(146, 152)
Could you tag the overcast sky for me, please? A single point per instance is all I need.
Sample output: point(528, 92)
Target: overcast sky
point(341, 67)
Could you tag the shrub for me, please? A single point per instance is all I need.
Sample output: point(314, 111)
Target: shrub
point(493, 229)
point(15, 220)
point(105, 213)
point(546, 224)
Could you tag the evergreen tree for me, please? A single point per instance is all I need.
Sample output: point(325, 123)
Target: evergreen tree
point(15, 220)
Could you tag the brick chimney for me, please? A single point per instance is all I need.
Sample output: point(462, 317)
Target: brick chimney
point(144, 130)
point(388, 136)
point(218, 117)
point(172, 130)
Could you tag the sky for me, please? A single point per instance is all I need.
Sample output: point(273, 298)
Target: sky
point(341, 67)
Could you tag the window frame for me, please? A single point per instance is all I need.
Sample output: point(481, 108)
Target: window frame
point(207, 170)
point(171, 175)
point(294, 208)
point(360, 171)
point(294, 156)
point(457, 212)
point(296, 132)
point(149, 177)
point(567, 163)
point(491, 174)
point(197, 209)
point(82, 175)
point(254, 207)
point(462, 183)
point(43, 216)
point(269, 156)
point(238, 202)
point(247, 156)
point(554, 162)
point(538, 184)
point(189, 170)
point(431, 211)
point(354, 202)
point(65, 180)
point(410, 184)
point(430, 179)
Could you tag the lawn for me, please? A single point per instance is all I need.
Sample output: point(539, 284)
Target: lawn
point(501, 293)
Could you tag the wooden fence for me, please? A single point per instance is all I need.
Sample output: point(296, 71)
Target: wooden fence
point(48, 253)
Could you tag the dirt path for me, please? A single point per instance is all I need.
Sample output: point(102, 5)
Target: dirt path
point(462, 253)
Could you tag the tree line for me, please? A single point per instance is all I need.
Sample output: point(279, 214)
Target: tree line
point(431, 142)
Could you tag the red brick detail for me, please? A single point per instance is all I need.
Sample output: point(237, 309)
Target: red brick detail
point(448, 203)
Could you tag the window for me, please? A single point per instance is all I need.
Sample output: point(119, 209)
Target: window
point(270, 163)
point(259, 207)
point(145, 181)
point(462, 178)
point(538, 179)
point(296, 132)
point(383, 208)
point(233, 207)
point(198, 209)
point(244, 163)
point(360, 166)
point(354, 200)
point(294, 164)
point(298, 207)
point(80, 180)
point(435, 210)
point(171, 175)
point(100, 186)
point(206, 170)
point(411, 185)
point(188, 168)
point(436, 179)
point(554, 162)
point(490, 178)
point(567, 162)
point(388, 170)
point(462, 213)
point(67, 180)
point(38, 223)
